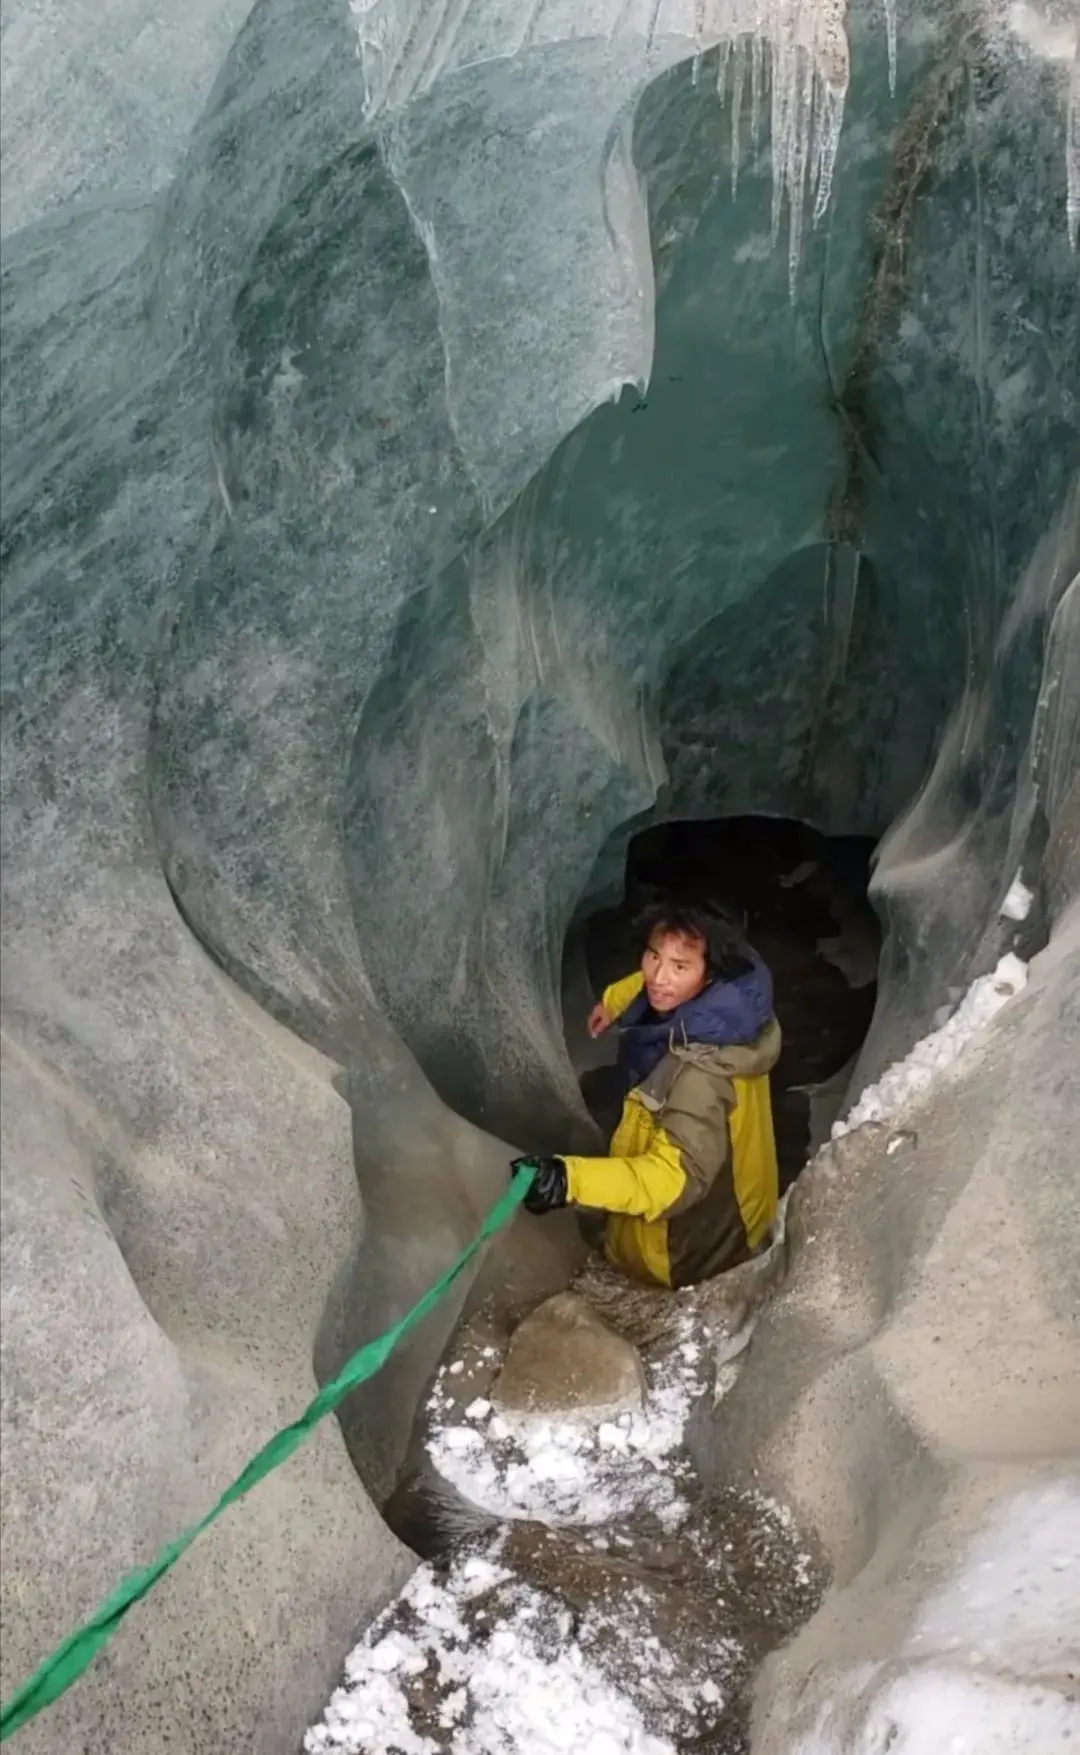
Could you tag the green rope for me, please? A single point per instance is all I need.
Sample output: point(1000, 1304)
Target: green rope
point(78, 1651)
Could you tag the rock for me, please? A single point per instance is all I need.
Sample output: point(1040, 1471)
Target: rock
point(564, 1359)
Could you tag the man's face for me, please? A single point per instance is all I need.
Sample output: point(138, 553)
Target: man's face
point(674, 969)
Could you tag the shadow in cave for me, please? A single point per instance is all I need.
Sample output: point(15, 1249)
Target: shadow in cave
point(802, 897)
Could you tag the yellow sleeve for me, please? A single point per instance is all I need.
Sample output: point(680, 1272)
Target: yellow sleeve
point(647, 1186)
point(621, 994)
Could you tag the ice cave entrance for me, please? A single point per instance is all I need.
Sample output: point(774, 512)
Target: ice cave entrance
point(802, 897)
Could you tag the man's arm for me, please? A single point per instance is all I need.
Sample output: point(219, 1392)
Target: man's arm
point(689, 1149)
point(614, 1002)
point(622, 994)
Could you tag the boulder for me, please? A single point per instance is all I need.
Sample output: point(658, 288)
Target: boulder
point(563, 1359)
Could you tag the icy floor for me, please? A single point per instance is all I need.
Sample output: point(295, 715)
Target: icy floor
point(611, 1609)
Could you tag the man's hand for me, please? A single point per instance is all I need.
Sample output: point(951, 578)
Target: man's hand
point(598, 1021)
point(548, 1191)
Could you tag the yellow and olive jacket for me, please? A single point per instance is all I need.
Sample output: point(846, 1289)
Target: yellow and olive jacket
point(690, 1184)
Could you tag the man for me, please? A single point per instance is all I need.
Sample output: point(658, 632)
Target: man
point(689, 1187)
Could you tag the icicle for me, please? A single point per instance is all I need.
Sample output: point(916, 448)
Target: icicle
point(1072, 148)
point(757, 75)
point(699, 35)
point(722, 67)
point(833, 74)
point(890, 38)
point(738, 86)
point(829, 125)
point(783, 68)
point(798, 157)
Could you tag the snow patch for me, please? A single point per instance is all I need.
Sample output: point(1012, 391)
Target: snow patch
point(1013, 1603)
point(910, 1079)
point(516, 1690)
point(979, 1651)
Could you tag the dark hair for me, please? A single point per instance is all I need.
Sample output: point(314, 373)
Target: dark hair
point(727, 951)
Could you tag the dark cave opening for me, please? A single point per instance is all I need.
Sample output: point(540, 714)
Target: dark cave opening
point(802, 897)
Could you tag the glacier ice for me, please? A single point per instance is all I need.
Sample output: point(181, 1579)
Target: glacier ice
point(914, 1391)
point(99, 99)
point(798, 48)
point(433, 484)
point(1051, 30)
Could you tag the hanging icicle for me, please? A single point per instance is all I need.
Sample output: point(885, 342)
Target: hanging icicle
point(1072, 148)
point(890, 39)
point(797, 50)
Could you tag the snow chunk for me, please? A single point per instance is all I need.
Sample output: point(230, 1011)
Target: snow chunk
point(910, 1079)
point(459, 1437)
point(1017, 904)
point(523, 1701)
point(395, 1652)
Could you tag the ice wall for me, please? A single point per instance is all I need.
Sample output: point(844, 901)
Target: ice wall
point(99, 99)
point(1051, 31)
point(354, 614)
point(915, 1392)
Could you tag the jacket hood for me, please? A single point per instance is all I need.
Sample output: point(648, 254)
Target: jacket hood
point(725, 1014)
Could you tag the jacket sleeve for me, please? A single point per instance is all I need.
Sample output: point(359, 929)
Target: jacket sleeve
point(621, 994)
point(647, 1185)
point(685, 1156)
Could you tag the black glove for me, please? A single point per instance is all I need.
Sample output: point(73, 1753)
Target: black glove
point(548, 1191)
